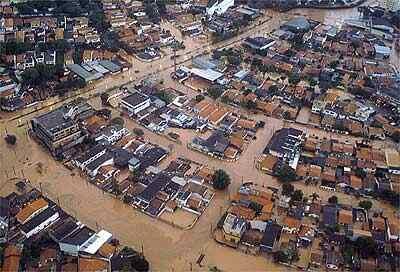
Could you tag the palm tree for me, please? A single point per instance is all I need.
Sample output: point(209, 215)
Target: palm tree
point(314, 196)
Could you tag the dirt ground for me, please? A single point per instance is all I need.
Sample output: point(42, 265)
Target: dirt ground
point(180, 217)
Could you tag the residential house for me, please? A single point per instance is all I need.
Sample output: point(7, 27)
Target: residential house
point(234, 228)
point(135, 103)
point(271, 237)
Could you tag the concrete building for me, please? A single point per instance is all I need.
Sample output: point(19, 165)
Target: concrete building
point(219, 6)
point(135, 102)
point(59, 129)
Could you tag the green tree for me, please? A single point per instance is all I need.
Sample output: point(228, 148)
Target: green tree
point(281, 257)
point(285, 173)
point(117, 121)
point(215, 91)
point(287, 189)
point(199, 98)
point(396, 136)
point(164, 96)
point(314, 196)
point(297, 195)
point(366, 246)
point(251, 105)
point(294, 78)
point(138, 132)
point(10, 139)
point(221, 180)
point(333, 200)
point(365, 204)
point(234, 60)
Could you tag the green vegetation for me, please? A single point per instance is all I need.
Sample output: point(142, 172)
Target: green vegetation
point(138, 132)
point(221, 180)
point(40, 74)
point(287, 189)
point(164, 96)
point(297, 195)
point(66, 86)
point(199, 98)
point(333, 200)
point(117, 121)
point(366, 246)
point(215, 91)
point(285, 173)
point(15, 48)
point(365, 204)
point(133, 260)
point(10, 139)
point(314, 196)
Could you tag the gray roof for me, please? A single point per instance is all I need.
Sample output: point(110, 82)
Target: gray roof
point(57, 119)
point(54, 120)
point(299, 24)
point(99, 161)
point(135, 98)
point(110, 66)
point(83, 73)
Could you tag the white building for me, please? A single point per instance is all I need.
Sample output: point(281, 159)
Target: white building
point(135, 102)
point(39, 222)
point(219, 6)
point(112, 134)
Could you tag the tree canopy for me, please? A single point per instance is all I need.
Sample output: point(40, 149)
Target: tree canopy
point(287, 189)
point(365, 204)
point(333, 200)
point(10, 139)
point(221, 180)
point(297, 195)
point(215, 91)
point(285, 173)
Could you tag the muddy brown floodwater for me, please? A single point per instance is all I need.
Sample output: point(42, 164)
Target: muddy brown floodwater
point(167, 248)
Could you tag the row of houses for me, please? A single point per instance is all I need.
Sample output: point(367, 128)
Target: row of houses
point(264, 222)
point(29, 217)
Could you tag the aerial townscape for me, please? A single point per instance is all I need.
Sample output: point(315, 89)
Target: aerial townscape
point(199, 135)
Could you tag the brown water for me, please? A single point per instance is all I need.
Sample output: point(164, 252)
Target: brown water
point(167, 248)
point(337, 17)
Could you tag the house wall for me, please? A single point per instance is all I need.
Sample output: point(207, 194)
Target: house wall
point(42, 226)
point(93, 173)
point(83, 164)
point(135, 108)
point(69, 249)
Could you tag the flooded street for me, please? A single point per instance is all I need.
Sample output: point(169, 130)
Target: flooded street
point(167, 248)
point(337, 17)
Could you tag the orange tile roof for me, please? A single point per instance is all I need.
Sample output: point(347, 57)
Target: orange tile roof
point(268, 162)
point(291, 222)
point(355, 182)
point(92, 265)
point(30, 209)
point(345, 217)
point(237, 141)
point(243, 212)
point(246, 123)
point(205, 173)
point(107, 250)
point(268, 207)
point(12, 256)
point(260, 200)
point(216, 116)
point(202, 104)
point(230, 152)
